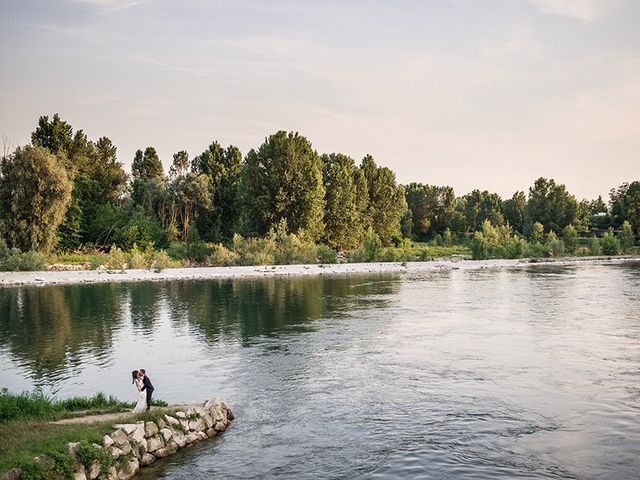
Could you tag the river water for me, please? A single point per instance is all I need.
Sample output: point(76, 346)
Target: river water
point(462, 374)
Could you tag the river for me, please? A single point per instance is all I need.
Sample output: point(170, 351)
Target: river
point(462, 374)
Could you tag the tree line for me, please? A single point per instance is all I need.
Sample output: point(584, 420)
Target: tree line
point(64, 191)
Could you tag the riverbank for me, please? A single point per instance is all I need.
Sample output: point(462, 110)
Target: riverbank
point(8, 279)
point(112, 445)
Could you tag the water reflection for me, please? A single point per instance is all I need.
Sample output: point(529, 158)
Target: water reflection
point(51, 330)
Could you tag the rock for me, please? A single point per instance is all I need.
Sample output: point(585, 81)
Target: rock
point(119, 438)
point(166, 433)
point(180, 415)
point(13, 474)
point(147, 459)
point(180, 439)
point(163, 452)
point(172, 446)
point(45, 460)
point(138, 433)
point(200, 411)
point(126, 448)
point(208, 420)
point(72, 448)
point(94, 471)
point(129, 470)
point(162, 424)
point(171, 420)
point(115, 452)
point(192, 437)
point(107, 441)
point(220, 426)
point(185, 423)
point(197, 425)
point(113, 473)
point(154, 443)
point(211, 432)
point(127, 428)
point(230, 414)
point(79, 473)
point(202, 435)
point(150, 429)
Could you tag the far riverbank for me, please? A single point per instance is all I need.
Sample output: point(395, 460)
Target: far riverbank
point(8, 279)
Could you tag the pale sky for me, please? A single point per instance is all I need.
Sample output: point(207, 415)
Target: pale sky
point(486, 94)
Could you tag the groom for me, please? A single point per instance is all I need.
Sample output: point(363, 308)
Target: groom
point(146, 385)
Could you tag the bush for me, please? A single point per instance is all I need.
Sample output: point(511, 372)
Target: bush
point(610, 244)
point(159, 260)
point(142, 231)
point(196, 250)
point(326, 254)
point(536, 250)
point(137, 258)
point(494, 242)
point(516, 248)
point(570, 238)
point(13, 260)
point(115, 259)
point(537, 234)
point(254, 251)
point(221, 256)
point(556, 247)
point(371, 246)
point(594, 246)
point(290, 249)
point(627, 239)
point(447, 238)
point(357, 256)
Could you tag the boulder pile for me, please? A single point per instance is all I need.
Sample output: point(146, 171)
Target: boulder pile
point(134, 445)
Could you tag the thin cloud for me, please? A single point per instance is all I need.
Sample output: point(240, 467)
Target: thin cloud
point(583, 10)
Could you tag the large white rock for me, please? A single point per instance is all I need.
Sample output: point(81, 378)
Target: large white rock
point(150, 429)
point(119, 438)
point(138, 433)
point(115, 452)
point(208, 420)
point(79, 473)
point(163, 452)
point(179, 438)
point(197, 425)
point(191, 437)
point(127, 428)
point(147, 459)
point(154, 443)
point(94, 471)
point(180, 415)
point(107, 441)
point(171, 420)
point(129, 470)
point(166, 433)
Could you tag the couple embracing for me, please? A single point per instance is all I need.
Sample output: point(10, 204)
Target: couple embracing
point(145, 390)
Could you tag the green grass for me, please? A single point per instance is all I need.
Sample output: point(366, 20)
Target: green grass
point(26, 431)
point(38, 406)
point(442, 251)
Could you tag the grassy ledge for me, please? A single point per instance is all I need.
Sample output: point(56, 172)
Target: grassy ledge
point(26, 430)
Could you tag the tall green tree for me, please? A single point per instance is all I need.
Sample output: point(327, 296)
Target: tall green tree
point(625, 205)
point(180, 165)
point(481, 206)
point(432, 208)
point(344, 215)
point(35, 191)
point(513, 210)
point(222, 166)
point(282, 180)
point(146, 165)
point(551, 205)
point(386, 200)
point(192, 191)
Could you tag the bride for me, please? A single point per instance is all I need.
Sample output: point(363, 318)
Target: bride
point(141, 406)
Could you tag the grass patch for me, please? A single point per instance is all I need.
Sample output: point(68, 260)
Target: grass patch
point(38, 406)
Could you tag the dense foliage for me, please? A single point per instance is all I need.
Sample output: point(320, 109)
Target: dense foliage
point(282, 203)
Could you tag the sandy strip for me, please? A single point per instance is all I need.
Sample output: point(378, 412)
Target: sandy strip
point(8, 279)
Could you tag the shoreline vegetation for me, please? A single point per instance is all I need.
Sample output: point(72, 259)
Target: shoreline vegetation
point(66, 203)
point(27, 429)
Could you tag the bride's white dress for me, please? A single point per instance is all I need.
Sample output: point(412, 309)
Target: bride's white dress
point(141, 406)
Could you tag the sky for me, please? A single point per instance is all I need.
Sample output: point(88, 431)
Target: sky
point(487, 94)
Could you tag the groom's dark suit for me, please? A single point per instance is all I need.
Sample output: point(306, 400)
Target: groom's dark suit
point(148, 386)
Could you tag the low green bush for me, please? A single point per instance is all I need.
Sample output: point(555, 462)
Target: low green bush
point(326, 254)
point(221, 256)
point(610, 244)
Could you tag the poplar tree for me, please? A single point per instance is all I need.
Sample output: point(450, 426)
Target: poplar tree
point(282, 180)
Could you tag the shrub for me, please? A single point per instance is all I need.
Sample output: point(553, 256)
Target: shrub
point(570, 238)
point(493, 242)
point(290, 249)
point(371, 246)
point(610, 244)
point(115, 259)
point(537, 234)
point(626, 237)
point(357, 256)
point(594, 246)
point(447, 238)
point(254, 251)
point(556, 247)
point(159, 260)
point(221, 256)
point(12, 260)
point(516, 248)
point(536, 250)
point(326, 254)
point(137, 258)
